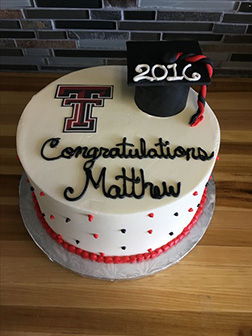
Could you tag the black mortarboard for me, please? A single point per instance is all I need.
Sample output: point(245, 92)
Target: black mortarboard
point(162, 73)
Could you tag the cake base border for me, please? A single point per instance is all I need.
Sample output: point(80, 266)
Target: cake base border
point(83, 267)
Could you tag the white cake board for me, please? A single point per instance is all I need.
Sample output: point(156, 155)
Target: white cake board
point(75, 263)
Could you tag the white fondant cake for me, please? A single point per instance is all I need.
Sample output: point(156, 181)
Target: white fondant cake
point(110, 179)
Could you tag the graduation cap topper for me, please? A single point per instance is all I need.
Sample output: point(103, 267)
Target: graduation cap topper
point(162, 73)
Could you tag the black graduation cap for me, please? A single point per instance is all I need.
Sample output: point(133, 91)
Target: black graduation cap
point(162, 73)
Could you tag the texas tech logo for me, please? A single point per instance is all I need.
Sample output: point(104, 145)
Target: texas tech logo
point(82, 99)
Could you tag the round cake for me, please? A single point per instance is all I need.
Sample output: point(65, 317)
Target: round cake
point(109, 181)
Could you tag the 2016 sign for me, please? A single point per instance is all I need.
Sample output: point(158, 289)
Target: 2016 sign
point(144, 69)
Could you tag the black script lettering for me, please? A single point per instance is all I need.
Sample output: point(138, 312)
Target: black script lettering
point(152, 153)
point(53, 143)
point(92, 154)
point(123, 146)
point(67, 153)
point(179, 151)
point(122, 151)
point(127, 189)
point(161, 146)
point(89, 177)
point(133, 179)
point(204, 156)
point(79, 150)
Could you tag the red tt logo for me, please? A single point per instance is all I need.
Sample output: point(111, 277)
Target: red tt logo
point(82, 99)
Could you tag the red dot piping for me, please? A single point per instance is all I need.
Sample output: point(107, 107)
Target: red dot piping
point(90, 218)
point(151, 254)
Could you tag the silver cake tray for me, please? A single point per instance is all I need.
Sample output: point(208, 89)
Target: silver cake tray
point(75, 263)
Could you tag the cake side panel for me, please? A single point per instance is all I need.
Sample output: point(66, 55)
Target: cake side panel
point(119, 235)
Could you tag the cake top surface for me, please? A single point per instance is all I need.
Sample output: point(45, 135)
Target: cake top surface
point(82, 131)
